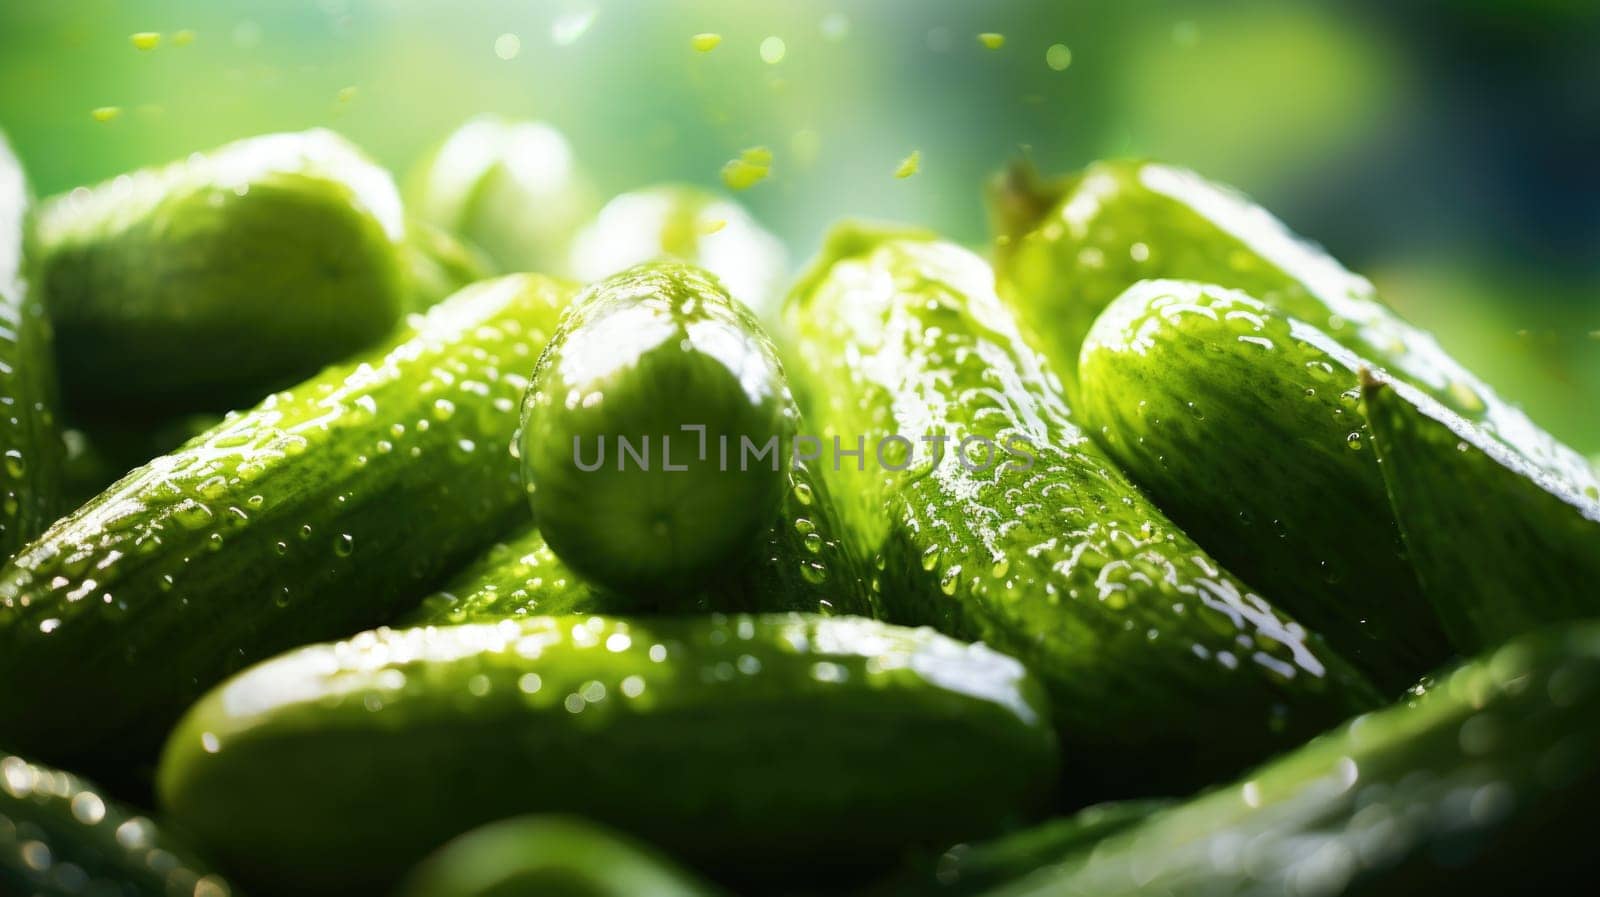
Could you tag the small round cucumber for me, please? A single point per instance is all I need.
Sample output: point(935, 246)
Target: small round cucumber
point(556, 856)
point(691, 224)
point(655, 431)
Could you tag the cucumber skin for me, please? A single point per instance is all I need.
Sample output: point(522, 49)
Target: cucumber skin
point(1484, 783)
point(30, 439)
point(783, 739)
point(256, 264)
point(657, 531)
point(978, 867)
point(548, 856)
point(334, 505)
point(677, 221)
point(801, 564)
point(1500, 546)
point(1065, 566)
point(1067, 249)
point(114, 850)
point(438, 264)
point(512, 188)
point(1245, 425)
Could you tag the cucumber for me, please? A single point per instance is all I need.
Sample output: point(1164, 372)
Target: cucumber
point(639, 429)
point(204, 284)
point(1165, 672)
point(691, 224)
point(754, 742)
point(517, 577)
point(801, 564)
point(62, 837)
point(548, 856)
point(1067, 249)
point(977, 867)
point(1482, 785)
point(1500, 546)
point(1245, 425)
point(510, 187)
point(323, 510)
point(100, 453)
point(30, 440)
point(438, 264)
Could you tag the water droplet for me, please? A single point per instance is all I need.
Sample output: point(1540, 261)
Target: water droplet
point(345, 545)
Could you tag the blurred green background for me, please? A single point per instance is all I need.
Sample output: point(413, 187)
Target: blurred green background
point(1446, 149)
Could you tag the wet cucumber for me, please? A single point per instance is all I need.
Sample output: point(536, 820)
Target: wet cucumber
point(1165, 671)
point(30, 441)
point(100, 455)
point(1245, 425)
point(1067, 249)
point(548, 856)
point(690, 224)
point(517, 577)
point(800, 564)
point(735, 742)
point(323, 510)
point(1483, 785)
point(1500, 546)
point(640, 426)
point(204, 284)
point(510, 187)
point(438, 264)
point(980, 866)
point(61, 837)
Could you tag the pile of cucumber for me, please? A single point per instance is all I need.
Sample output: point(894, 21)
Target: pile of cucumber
point(1157, 556)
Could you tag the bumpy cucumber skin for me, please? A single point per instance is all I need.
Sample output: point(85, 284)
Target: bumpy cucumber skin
point(1165, 671)
point(800, 564)
point(1501, 547)
point(205, 284)
point(518, 577)
point(642, 355)
point(511, 187)
point(1484, 785)
point(730, 741)
point(692, 224)
point(978, 867)
point(548, 856)
point(61, 837)
point(1246, 426)
point(438, 264)
point(102, 453)
point(1066, 250)
point(30, 440)
point(323, 510)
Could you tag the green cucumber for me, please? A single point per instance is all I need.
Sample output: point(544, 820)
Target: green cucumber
point(62, 837)
point(438, 264)
point(100, 453)
point(977, 867)
point(517, 577)
point(1165, 671)
point(640, 426)
point(1067, 249)
point(254, 265)
point(323, 510)
point(510, 187)
point(548, 856)
point(1483, 785)
point(735, 742)
point(691, 224)
point(1500, 546)
point(1245, 425)
point(30, 440)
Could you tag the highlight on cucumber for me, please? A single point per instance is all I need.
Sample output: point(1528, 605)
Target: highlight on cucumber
point(907, 449)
